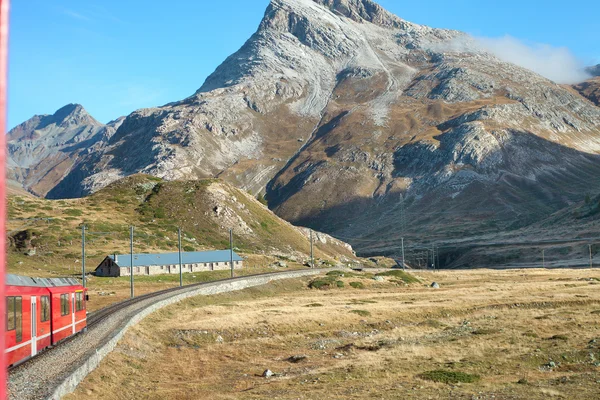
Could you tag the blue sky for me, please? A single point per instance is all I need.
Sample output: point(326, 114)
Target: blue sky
point(114, 57)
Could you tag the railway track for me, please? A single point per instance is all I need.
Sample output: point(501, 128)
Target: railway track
point(98, 316)
point(38, 377)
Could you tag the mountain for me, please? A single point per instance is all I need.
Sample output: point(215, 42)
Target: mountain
point(591, 88)
point(44, 149)
point(594, 71)
point(368, 127)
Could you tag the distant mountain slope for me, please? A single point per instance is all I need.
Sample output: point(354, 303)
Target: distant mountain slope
point(43, 149)
point(594, 71)
point(368, 127)
point(591, 88)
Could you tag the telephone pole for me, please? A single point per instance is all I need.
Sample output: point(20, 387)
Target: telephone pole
point(312, 254)
point(180, 262)
point(543, 258)
point(403, 259)
point(433, 257)
point(591, 258)
point(131, 254)
point(231, 250)
point(83, 255)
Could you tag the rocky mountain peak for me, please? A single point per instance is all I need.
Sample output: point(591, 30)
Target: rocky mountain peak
point(72, 115)
point(356, 10)
point(44, 148)
point(362, 10)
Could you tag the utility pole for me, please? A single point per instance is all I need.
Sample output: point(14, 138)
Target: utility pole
point(437, 254)
point(403, 258)
point(180, 263)
point(543, 258)
point(591, 258)
point(433, 256)
point(231, 250)
point(131, 254)
point(312, 254)
point(83, 255)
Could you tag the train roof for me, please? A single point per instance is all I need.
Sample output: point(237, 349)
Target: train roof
point(16, 280)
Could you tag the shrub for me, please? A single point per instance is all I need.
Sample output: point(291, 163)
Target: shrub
point(403, 276)
point(261, 198)
point(339, 284)
point(357, 285)
point(449, 377)
point(320, 283)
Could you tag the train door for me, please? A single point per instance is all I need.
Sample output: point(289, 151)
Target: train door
point(33, 326)
point(73, 311)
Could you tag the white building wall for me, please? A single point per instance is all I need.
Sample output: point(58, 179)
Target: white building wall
point(187, 268)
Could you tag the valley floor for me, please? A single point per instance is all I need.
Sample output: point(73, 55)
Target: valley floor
point(515, 334)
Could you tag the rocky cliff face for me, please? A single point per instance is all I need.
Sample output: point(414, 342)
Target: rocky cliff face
point(45, 148)
point(367, 126)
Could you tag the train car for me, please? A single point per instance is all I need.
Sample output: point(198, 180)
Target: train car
point(67, 308)
point(41, 312)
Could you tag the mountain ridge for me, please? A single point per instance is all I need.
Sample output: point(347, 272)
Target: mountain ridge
point(339, 110)
point(43, 149)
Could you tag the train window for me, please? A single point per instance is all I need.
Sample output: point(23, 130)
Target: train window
point(64, 304)
point(19, 318)
point(79, 301)
point(11, 320)
point(14, 316)
point(45, 314)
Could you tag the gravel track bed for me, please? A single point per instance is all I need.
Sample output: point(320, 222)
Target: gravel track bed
point(39, 378)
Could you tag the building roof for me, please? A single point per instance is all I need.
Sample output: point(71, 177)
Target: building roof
point(197, 257)
point(16, 280)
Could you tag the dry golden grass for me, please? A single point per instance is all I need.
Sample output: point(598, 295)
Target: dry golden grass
point(527, 334)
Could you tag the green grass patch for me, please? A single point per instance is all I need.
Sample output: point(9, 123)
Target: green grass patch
point(326, 282)
point(485, 331)
point(313, 305)
point(362, 313)
point(401, 275)
point(360, 301)
point(559, 337)
point(357, 285)
point(449, 377)
point(74, 212)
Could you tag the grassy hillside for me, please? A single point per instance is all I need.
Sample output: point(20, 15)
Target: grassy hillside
point(45, 235)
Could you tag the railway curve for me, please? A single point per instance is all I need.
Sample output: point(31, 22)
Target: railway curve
point(58, 371)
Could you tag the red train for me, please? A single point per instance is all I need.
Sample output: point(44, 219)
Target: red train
point(40, 312)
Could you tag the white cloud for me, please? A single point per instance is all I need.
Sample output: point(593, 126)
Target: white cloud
point(558, 64)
